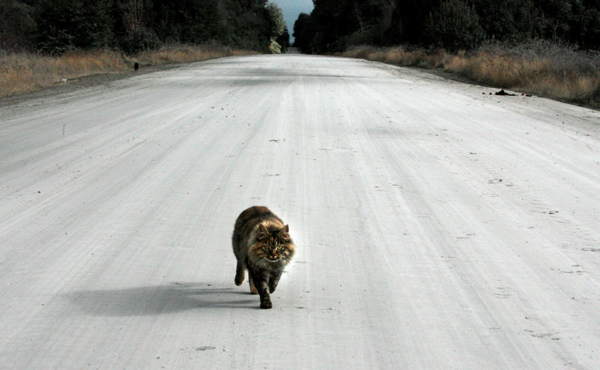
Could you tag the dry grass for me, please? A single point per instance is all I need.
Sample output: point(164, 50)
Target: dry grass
point(22, 72)
point(537, 67)
point(399, 56)
point(185, 54)
point(26, 72)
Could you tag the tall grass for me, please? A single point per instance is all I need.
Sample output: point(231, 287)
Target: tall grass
point(536, 67)
point(26, 72)
point(23, 72)
point(186, 54)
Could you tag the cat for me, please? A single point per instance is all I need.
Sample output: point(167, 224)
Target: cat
point(263, 246)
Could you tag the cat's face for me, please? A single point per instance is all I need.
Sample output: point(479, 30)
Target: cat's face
point(274, 244)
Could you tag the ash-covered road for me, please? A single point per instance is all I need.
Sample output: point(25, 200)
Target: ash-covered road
point(437, 227)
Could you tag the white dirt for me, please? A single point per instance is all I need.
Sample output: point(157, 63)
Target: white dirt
point(437, 227)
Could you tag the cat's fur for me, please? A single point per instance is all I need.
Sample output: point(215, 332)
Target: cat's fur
point(262, 245)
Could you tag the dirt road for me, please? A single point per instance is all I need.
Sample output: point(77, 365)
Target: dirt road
point(437, 226)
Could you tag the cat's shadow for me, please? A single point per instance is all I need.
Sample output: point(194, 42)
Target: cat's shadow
point(161, 299)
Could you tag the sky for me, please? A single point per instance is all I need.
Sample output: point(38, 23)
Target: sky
point(291, 9)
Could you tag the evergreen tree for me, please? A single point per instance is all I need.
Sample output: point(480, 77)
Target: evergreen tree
point(454, 25)
point(54, 26)
point(17, 25)
point(336, 24)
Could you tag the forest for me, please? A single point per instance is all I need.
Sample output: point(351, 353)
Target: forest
point(335, 25)
point(545, 47)
point(56, 26)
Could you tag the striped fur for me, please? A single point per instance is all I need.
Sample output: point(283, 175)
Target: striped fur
point(262, 245)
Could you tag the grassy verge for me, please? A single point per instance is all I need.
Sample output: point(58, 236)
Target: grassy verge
point(537, 67)
point(26, 72)
point(185, 54)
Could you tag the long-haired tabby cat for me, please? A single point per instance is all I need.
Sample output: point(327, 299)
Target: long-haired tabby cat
point(262, 245)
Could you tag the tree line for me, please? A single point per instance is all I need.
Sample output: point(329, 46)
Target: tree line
point(334, 25)
point(56, 26)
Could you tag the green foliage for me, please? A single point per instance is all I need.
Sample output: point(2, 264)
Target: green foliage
point(335, 25)
point(139, 39)
point(304, 32)
point(134, 25)
point(284, 40)
point(276, 18)
point(510, 20)
point(454, 25)
point(54, 26)
point(73, 24)
point(16, 24)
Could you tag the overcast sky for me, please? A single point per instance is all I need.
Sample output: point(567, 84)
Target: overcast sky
point(291, 9)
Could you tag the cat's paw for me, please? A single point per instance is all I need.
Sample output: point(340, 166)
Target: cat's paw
point(238, 281)
point(266, 304)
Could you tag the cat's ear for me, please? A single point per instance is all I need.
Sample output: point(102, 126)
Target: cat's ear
point(261, 233)
point(284, 233)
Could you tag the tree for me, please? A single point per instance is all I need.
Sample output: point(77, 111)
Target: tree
point(16, 25)
point(276, 19)
point(336, 24)
point(277, 27)
point(284, 40)
point(510, 20)
point(134, 25)
point(454, 25)
point(73, 24)
point(304, 33)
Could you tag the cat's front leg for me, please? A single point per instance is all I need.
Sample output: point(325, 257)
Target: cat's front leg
point(265, 298)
